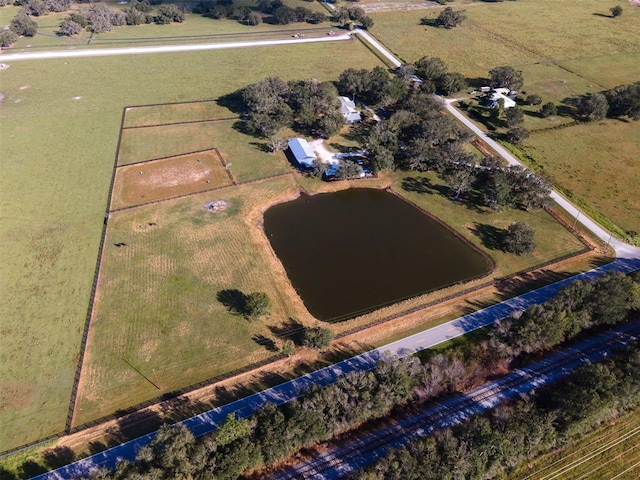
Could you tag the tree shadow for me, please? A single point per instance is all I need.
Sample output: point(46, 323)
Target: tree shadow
point(428, 22)
point(262, 146)
point(490, 236)
point(418, 185)
point(6, 474)
point(266, 342)
point(97, 447)
point(232, 101)
point(596, 14)
point(58, 457)
point(132, 425)
point(234, 300)
point(30, 469)
point(289, 330)
point(477, 82)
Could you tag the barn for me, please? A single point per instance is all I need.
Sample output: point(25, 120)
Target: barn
point(302, 152)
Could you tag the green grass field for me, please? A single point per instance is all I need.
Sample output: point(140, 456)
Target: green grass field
point(602, 172)
point(60, 125)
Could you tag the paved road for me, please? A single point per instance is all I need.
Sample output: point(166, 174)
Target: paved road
point(340, 459)
point(104, 52)
point(628, 260)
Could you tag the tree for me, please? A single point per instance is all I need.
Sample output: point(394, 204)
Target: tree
point(506, 77)
point(517, 134)
point(231, 430)
point(258, 304)
point(348, 169)
point(548, 110)
point(288, 348)
point(593, 106)
point(366, 22)
point(624, 101)
point(514, 116)
point(317, 337)
point(519, 238)
point(533, 99)
point(23, 24)
point(430, 68)
point(452, 82)
point(254, 18)
point(450, 18)
point(616, 11)
point(459, 178)
point(7, 38)
point(69, 28)
point(168, 13)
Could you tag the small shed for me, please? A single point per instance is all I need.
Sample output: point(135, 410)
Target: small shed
point(349, 110)
point(302, 152)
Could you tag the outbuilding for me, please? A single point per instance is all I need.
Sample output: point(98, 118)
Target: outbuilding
point(302, 152)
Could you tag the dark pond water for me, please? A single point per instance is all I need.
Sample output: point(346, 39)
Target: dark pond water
point(354, 251)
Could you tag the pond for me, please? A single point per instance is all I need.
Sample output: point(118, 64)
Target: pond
point(351, 252)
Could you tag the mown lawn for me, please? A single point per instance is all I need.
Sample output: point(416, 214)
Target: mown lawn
point(60, 125)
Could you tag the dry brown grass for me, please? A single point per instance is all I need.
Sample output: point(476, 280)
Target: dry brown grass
point(161, 179)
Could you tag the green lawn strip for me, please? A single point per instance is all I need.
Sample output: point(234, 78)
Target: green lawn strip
point(607, 451)
point(61, 120)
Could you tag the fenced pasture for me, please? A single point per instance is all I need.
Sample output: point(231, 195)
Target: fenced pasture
point(248, 157)
point(598, 162)
point(607, 71)
point(513, 33)
point(168, 113)
point(157, 310)
point(60, 123)
point(171, 177)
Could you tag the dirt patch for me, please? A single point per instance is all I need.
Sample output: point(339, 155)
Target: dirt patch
point(161, 179)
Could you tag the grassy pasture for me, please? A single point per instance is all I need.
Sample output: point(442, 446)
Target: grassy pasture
point(60, 123)
point(247, 154)
point(513, 33)
point(607, 71)
point(157, 308)
point(160, 179)
point(149, 115)
point(602, 172)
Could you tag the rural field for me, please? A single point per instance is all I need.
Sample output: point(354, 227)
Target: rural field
point(603, 172)
point(61, 123)
point(164, 264)
point(564, 50)
point(61, 120)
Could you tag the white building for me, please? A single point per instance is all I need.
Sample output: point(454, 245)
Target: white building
point(501, 93)
point(349, 111)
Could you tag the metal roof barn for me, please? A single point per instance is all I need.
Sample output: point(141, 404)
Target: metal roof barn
point(302, 151)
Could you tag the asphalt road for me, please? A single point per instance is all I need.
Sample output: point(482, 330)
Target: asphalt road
point(342, 458)
point(628, 260)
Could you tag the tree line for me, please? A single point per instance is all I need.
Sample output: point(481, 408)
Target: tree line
point(492, 445)
point(510, 433)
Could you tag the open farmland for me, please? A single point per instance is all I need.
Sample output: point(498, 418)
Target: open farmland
point(60, 124)
point(596, 161)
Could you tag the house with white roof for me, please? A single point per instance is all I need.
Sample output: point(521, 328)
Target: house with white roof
point(501, 93)
point(349, 110)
